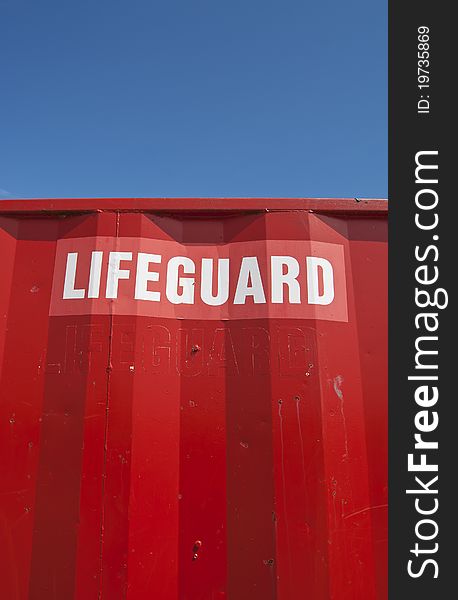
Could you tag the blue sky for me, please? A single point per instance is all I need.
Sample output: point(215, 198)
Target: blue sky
point(193, 98)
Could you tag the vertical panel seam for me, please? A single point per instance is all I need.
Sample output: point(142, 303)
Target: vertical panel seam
point(105, 441)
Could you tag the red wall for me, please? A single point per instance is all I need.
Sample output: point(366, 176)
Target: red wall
point(127, 438)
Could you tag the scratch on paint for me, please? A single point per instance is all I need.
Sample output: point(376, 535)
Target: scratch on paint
point(301, 438)
point(363, 510)
point(337, 382)
point(280, 403)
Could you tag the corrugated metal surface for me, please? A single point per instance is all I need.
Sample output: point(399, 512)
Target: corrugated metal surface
point(166, 447)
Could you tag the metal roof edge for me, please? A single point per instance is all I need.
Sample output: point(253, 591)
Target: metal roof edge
point(193, 205)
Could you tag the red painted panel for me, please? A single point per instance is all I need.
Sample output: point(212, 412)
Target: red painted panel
point(186, 454)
